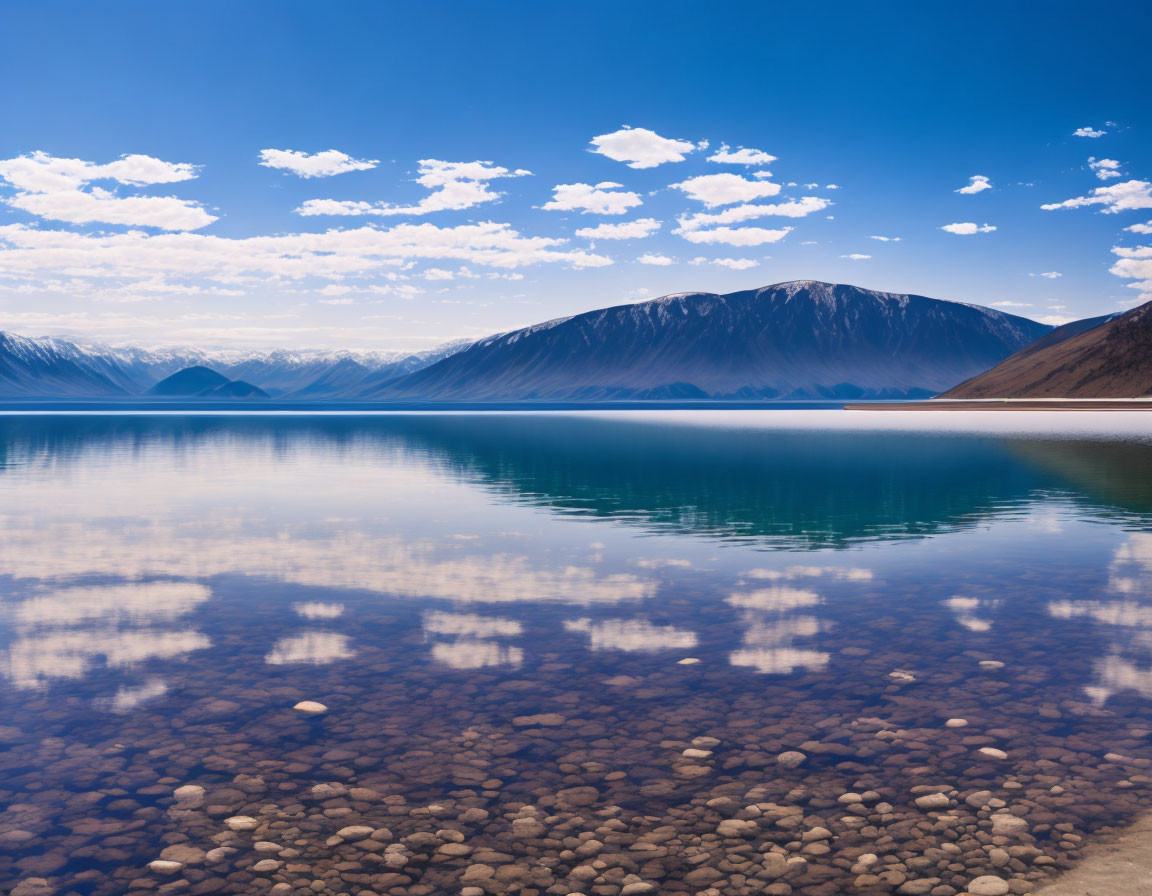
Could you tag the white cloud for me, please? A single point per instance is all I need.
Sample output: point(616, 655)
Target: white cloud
point(795, 208)
point(1135, 264)
point(1088, 132)
point(887, 239)
point(1055, 320)
point(1048, 275)
point(741, 156)
point(59, 189)
point(641, 148)
point(832, 186)
point(856, 256)
point(967, 228)
point(734, 236)
point(1126, 196)
point(724, 189)
point(626, 230)
point(1011, 304)
point(976, 184)
point(1105, 169)
point(318, 164)
point(28, 255)
point(655, 259)
point(1140, 228)
point(601, 199)
point(454, 186)
point(735, 264)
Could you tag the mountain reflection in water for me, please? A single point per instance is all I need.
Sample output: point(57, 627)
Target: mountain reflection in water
point(771, 581)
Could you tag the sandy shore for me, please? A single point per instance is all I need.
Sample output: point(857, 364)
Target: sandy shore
point(1056, 404)
point(1118, 867)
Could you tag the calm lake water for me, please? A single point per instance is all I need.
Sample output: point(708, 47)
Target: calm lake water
point(794, 652)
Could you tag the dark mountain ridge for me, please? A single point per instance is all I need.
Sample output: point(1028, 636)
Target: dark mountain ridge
point(802, 339)
point(204, 382)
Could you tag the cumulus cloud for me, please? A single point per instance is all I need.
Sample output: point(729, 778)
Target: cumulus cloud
point(1088, 132)
point(626, 230)
point(976, 183)
point(602, 199)
point(887, 239)
point(735, 264)
point(1105, 169)
point(967, 228)
point(641, 148)
point(734, 236)
point(1135, 264)
point(856, 256)
point(317, 164)
point(29, 254)
point(61, 189)
point(724, 189)
point(655, 259)
point(1048, 275)
point(796, 208)
point(1127, 196)
point(741, 156)
point(709, 227)
point(1140, 228)
point(454, 186)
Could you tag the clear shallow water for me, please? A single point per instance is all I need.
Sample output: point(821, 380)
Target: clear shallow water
point(495, 608)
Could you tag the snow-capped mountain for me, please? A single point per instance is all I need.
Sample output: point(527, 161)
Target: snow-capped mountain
point(59, 368)
point(803, 339)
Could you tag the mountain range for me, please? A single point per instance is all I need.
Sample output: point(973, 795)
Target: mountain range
point(57, 368)
point(1103, 357)
point(802, 339)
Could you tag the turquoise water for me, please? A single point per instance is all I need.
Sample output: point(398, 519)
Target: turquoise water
point(520, 623)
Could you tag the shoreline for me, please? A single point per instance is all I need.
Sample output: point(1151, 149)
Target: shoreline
point(1117, 864)
point(1012, 404)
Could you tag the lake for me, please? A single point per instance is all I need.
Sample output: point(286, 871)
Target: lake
point(703, 652)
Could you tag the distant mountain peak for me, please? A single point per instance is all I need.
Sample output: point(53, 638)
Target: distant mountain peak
point(800, 338)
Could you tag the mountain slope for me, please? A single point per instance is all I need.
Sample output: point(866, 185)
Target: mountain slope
point(54, 368)
point(189, 381)
point(797, 339)
point(1110, 360)
point(58, 368)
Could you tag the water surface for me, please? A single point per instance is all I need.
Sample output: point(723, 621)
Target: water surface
point(535, 632)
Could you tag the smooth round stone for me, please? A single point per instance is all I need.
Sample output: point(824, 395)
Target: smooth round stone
point(266, 865)
point(956, 723)
point(242, 823)
point(163, 866)
point(932, 801)
point(988, 886)
point(687, 661)
point(310, 708)
point(849, 799)
point(992, 753)
point(355, 832)
point(693, 753)
point(990, 665)
point(791, 759)
point(188, 793)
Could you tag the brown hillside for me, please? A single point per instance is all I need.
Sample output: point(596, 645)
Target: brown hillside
point(1112, 360)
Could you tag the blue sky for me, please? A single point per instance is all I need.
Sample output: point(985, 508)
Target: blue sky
point(136, 208)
